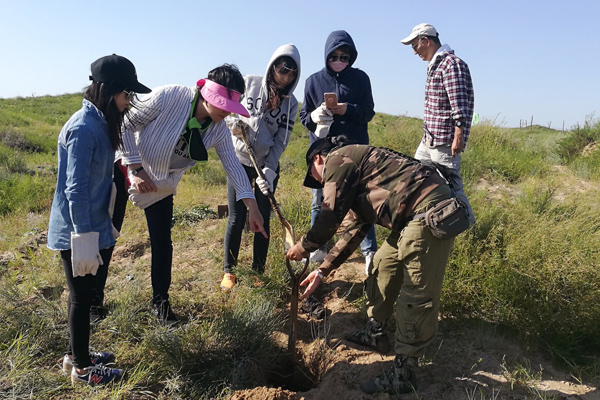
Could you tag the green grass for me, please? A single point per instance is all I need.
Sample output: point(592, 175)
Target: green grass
point(530, 264)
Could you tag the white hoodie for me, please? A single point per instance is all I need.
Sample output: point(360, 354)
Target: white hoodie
point(269, 131)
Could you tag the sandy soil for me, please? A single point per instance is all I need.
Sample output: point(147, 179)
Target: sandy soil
point(466, 361)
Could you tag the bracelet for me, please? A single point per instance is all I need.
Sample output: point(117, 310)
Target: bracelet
point(320, 275)
point(135, 171)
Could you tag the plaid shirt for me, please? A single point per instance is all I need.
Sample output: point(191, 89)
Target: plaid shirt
point(448, 97)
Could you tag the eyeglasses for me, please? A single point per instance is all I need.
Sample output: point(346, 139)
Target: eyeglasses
point(343, 58)
point(129, 95)
point(285, 70)
point(415, 45)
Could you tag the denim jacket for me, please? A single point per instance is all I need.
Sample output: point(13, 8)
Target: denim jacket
point(84, 182)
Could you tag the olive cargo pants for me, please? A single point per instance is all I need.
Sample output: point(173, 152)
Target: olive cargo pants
point(408, 270)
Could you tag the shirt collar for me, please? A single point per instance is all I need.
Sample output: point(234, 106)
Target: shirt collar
point(439, 51)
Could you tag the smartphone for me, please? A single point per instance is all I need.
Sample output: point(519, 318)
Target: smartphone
point(330, 99)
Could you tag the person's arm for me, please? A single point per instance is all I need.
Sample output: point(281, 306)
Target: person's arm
point(282, 136)
point(341, 186)
point(139, 117)
point(363, 110)
point(455, 79)
point(80, 145)
point(308, 106)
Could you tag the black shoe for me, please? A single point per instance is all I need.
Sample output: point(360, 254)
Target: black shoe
point(399, 379)
point(313, 307)
point(372, 335)
point(163, 312)
point(97, 313)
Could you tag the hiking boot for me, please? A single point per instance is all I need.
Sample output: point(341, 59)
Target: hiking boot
point(313, 307)
point(372, 335)
point(228, 282)
point(163, 312)
point(96, 375)
point(399, 379)
point(96, 357)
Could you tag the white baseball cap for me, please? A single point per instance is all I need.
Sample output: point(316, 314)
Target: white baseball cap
point(420, 30)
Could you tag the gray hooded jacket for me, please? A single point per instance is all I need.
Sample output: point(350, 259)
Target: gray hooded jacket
point(269, 131)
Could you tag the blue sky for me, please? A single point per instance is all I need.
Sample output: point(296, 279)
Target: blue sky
point(527, 58)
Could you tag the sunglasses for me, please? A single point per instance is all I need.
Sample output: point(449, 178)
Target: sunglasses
point(129, 95)
point(342, 58)
point(415, 45)
point(285, 70)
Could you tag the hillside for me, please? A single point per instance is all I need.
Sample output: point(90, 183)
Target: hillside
point(520, 304)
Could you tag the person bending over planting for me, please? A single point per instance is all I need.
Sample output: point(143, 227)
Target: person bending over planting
point(380, 186)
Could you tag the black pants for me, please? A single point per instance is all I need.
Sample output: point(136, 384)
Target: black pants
point(237, 220)
point(82, 290)
point(158, 217)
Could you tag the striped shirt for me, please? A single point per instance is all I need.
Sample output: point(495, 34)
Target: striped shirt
point(448, 97)
point(158, 121)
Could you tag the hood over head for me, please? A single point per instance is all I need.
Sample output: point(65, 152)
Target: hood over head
point(338, 39)
point(286, 50)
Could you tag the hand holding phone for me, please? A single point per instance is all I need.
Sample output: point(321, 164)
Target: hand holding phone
point(330, 99)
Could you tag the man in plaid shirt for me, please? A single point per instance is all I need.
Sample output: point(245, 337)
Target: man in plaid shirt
point(449, 103)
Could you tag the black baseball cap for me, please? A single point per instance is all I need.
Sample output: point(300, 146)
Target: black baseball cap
point(320, 146)
point(118, 71)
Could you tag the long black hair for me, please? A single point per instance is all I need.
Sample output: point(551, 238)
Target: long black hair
point(228, 75)
point(277, 95)
point(102, 96)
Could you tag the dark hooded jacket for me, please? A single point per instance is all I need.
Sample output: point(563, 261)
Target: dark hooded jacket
point(352, 86)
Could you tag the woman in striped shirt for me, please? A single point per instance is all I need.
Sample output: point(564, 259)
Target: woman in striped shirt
point(172, 130)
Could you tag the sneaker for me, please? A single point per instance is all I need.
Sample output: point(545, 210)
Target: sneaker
point(96, 357)
point(96, 375)
point(369, 262)
point(399, 379)
point(228, 282)
point(313, 307)
point(318, 256)
point(163, 311)
point(372, 335)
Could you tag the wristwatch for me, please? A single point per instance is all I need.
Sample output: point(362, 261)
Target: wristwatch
point(136, 171)
point(459, 123)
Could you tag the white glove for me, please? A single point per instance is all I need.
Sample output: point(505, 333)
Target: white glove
point(85, 255)
point(164, 187)
point(236, 126)
point(266, 186)
point(321, 115)
point(322, 130)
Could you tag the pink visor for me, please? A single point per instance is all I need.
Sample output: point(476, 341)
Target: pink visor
point(217, 96)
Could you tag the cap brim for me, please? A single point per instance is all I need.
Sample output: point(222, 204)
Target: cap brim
point(139, 88)
point(224, 103)
point(311, 182)
point(409, 39)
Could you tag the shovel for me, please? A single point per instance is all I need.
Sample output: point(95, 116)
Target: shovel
point(290, 237)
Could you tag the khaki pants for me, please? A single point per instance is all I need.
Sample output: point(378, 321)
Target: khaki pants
point(408, 270)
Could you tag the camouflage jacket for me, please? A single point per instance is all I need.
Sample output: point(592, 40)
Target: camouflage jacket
point(377, 186)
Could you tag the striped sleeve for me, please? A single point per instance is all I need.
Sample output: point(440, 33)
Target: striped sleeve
point(220, 138)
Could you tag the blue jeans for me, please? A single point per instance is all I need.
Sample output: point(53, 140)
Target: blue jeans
point(237, 220)
point(443, 155)
point(369, 243)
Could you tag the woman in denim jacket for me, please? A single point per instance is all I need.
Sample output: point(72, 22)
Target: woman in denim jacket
point(80, 219)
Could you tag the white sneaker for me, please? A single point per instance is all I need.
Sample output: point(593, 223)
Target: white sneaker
point(318, 256)
point(369, 262)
